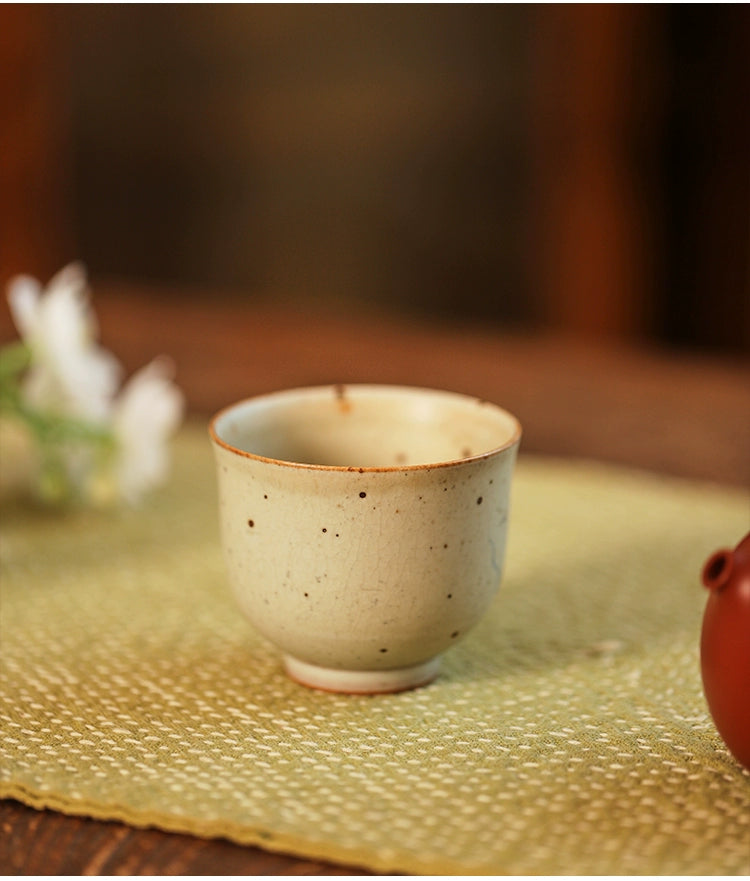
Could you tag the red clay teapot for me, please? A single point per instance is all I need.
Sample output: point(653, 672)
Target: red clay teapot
point(725, 646)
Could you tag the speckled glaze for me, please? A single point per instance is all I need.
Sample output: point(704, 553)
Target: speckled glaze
point(364, 526)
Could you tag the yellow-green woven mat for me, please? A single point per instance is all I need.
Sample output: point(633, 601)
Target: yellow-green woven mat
point(567, 734)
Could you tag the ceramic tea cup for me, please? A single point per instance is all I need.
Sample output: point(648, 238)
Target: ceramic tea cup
point(364, 526)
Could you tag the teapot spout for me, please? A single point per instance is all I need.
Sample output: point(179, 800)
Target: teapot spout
point(717, 570)
point(720, 566)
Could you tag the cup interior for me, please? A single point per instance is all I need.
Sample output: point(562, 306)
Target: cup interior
point(363, 426)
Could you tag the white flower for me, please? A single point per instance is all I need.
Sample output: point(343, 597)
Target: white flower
point(147, 411)
point(90, 441)
point(70, 374)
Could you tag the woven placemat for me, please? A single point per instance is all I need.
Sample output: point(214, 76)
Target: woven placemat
point(567, 734)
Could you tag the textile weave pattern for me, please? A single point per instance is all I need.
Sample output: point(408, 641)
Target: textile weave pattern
point(567, 734)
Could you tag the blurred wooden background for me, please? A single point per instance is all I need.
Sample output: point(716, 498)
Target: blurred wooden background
point(575, 168)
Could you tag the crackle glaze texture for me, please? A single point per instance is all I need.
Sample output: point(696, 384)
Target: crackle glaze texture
point(387, 553)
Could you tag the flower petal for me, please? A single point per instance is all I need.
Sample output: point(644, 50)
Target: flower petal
point(147, 411)
point(23, 298)
point(70, 374)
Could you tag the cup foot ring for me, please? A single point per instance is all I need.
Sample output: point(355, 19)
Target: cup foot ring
point(361, 681)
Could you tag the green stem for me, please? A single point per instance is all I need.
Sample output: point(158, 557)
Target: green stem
point(14, 359)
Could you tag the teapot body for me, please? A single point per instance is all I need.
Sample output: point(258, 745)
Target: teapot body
point(725, 646)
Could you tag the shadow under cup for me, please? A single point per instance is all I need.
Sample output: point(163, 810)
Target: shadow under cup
point(364, 526)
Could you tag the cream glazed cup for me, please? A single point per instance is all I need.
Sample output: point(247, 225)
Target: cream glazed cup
point(364, 526)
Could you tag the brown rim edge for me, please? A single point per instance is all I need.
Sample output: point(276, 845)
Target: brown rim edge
point(514, 440)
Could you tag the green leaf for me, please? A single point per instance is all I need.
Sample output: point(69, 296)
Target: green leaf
point(14, 359)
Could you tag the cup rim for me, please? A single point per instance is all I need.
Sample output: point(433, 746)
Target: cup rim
point(340, 390)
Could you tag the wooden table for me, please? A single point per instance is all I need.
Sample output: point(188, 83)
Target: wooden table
point(682, 414)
